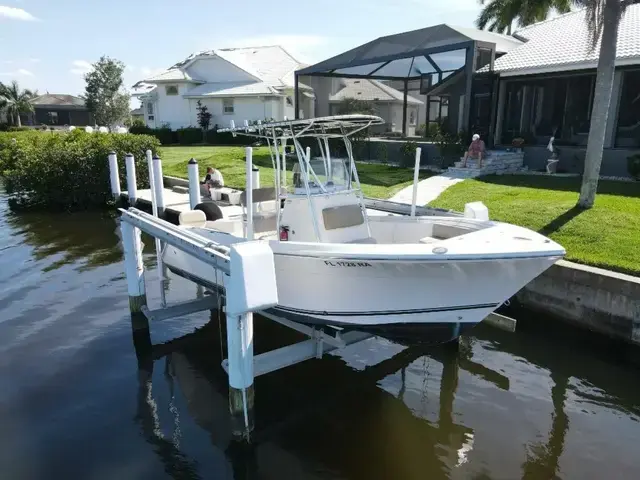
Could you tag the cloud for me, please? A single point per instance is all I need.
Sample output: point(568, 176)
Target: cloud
point(80, 67)
point(13, 13)
point(21, 72)
point(34, 60)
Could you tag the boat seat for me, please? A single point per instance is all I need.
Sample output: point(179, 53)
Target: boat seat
point(363, 240)
point(192, 218)
point(428, 240)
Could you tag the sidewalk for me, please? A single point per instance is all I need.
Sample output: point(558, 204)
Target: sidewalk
point(428, 189)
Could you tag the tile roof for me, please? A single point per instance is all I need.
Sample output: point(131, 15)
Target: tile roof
point(173, 74)
point(231, 89)
point(270, 64)
point(563, 43)
point(58, 100)
point(371, 90)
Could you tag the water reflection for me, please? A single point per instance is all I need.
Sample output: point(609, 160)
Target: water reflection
point(355, 419)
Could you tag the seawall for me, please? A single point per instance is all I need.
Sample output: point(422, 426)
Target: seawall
point(593, 298)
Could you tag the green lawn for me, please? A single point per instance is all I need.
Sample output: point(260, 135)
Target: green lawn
point(608, 235)
point(378, 181)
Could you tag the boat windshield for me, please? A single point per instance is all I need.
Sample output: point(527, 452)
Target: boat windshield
point(330, 177)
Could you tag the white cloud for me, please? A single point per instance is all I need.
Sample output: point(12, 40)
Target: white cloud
point(21, 72)
point(130, 68)
point(80, 67)
point(34, 60)
point(16, 14)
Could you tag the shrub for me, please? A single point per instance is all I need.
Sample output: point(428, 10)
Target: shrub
point(68, 170)
point(633, 166)
point(189, 135)
point(19, 129)
point(213, 137)
point(408, 151)
point(382, 153)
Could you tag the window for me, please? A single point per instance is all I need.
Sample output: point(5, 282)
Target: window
point(628, 129)
point(412, 117)
point(171, 90)
point(438, 109)
point(539, 109)
point(149, 108)
point(227, 106)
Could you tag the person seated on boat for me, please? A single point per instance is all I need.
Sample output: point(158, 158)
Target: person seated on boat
point(476, 150)
point(213, 178)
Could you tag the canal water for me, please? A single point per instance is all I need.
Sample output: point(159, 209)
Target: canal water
point(82, 397)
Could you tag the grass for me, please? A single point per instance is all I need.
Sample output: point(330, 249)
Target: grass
point(378, 181)
point(607, 235)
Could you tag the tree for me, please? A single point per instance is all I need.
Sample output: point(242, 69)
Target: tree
point(354, 105)
point(603, 19)
point(15, 101)
point(499, 15)
point(105, 95)
point(204, 116)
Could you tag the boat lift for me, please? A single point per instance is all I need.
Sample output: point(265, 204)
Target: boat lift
point(249, 287)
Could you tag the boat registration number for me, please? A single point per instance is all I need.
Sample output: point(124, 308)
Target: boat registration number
point(347, 264)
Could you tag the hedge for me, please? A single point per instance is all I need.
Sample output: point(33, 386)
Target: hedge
point(191, 136)
point(68, 170)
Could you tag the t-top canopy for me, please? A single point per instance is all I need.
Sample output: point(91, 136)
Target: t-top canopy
point(333, 126)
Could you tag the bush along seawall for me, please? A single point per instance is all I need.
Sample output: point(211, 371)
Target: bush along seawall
point(67, 170)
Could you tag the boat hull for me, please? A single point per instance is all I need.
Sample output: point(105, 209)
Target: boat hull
point(370, 294)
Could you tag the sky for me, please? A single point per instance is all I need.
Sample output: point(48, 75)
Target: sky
point(49, 45)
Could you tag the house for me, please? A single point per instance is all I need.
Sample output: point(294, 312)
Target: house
point(545, 88)
point(387, 101)
point(236, 84)
point(58, 110)
point(137, 114)
point(535, 84)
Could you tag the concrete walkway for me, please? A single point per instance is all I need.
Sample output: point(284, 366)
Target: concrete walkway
point(428, 189)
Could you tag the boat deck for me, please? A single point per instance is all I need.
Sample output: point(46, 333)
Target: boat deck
point(176, 203)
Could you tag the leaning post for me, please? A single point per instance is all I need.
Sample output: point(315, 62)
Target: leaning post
point(194, 183)
point(251, 286)
point(416, 177)
point(113, 175)
point(159, 183)
point(134, 268)
point(132, 187)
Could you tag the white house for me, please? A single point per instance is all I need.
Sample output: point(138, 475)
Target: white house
point(387, 101)
point(236, 84)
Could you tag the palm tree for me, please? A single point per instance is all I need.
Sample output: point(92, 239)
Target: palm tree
point(16, 101)
point(603, 20)
point(499, 15)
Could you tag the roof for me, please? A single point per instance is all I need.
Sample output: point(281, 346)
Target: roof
point(231, 89)
point(371, 90)
point(171, 75)
point(404, 55)
point(59, 100)
point(550, 46)
point(271, 64)
point(137, 111)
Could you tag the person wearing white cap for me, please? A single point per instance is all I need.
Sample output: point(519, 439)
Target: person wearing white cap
point(476, 150)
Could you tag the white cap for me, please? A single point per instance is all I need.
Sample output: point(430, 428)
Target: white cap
point(475, 137)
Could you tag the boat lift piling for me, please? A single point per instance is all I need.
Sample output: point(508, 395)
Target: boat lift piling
point(132, 184)
point(159, 184)
point(194, 183)
point(116, 192)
